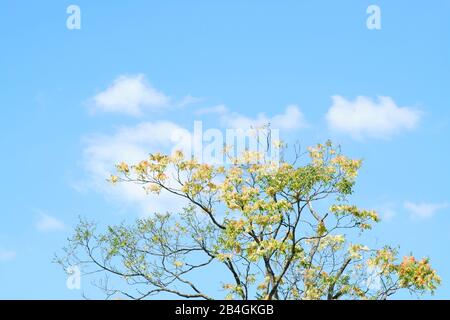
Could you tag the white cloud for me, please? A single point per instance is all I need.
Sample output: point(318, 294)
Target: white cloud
point(7, 255)
point(424, 210)
point(129, 94)
point(189, 100)
point(47, 223)
point(131, 144)
point(292, 118)
point(387, 211)
point(219, 109)
point(364, 117)
point(388, 214)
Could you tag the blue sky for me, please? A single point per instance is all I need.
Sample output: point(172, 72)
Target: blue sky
point(64, 116)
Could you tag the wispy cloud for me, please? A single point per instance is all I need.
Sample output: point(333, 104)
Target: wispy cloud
point(290, 119)
point(219, 109)
point(387, 211)
point(129, 94)
point(189, 100)
point(47, 223)
point(424, 210)
point(7, 255)
point(365, 117)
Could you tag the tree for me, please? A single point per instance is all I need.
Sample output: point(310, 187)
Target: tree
point(277, 230)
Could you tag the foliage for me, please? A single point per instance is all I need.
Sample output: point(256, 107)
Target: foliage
point(257, 219)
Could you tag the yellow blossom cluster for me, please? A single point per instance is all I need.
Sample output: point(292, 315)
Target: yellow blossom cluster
point(355, 251)
point(384, 259)
point(334, 242)
point(349, 166)
point(363, 217)
point(418, 274)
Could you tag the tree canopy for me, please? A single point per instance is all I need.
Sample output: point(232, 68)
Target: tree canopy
point(255, 228)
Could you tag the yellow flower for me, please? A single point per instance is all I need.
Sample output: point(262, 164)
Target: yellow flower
point(321, 229)
point(153, 188)
point(123, 167)
point(113, 179)
point(178, 156)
